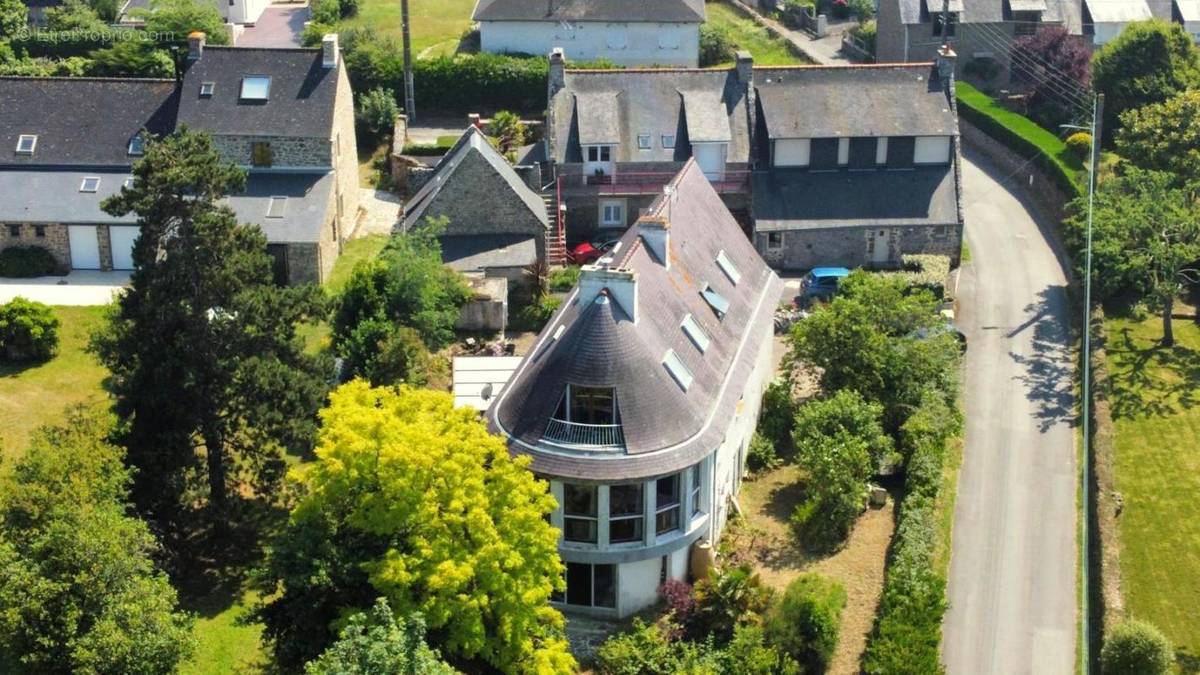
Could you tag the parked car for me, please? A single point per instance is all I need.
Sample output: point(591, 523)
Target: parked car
point(589, 252)
point(821, 283)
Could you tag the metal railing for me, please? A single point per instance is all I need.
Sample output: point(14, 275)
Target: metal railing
point(578, 435)
point(629, 182)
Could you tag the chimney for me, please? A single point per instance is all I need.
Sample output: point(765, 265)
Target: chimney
point(558, 67)
point(329, 51)
point(945, 63)
point(655, 232)
point(613, 285)
point(195, 45)
point(745, 66)
point(474, 120)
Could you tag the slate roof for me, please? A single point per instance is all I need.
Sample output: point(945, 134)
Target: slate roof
point(665, 428)
point(984, 11)
point(795, 199)
point(308, 194)
point(649, 101)
point(53, 196)
point(1118, 11)
point(300, 103)
point(81, 121)
point(478, 252)
point(640, 11)
point(826, 102)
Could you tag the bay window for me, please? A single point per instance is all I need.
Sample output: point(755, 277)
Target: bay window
point(626, 514)
point(695, 491)
point(590, 586)
point(667, 506)
point(579, 513)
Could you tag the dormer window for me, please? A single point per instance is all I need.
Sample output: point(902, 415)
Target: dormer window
point(256, 88)
point(586, 417)
point(137, 146)
point(206, 89)
point(89, 184)
point(26, 143)
point(680, 372)
point(718, 302)
point(728, 267)
point(276, 207)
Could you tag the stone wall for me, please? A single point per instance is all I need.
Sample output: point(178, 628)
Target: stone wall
point(54, 239)
point(345, 163)
point(105, 239)
point(285, 151)
point(854, 246)
point(1050, 199)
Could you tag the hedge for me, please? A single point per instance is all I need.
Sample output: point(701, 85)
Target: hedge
point(28, 331)
point(24, 262)
point(1024, 136)
point(60, 45)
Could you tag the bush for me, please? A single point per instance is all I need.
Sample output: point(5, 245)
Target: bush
point(983, 68)
point(866, 32)
point(646, 649)
point(777, 416)
point(326, 12)
point(24, 262)
point(861, 10)
point(926, 271)
point(804, 622)
point(841, 9)
point(1135, 647)
point(727, 598)
point(716, 47)
point(376, 114)
point(537, 313)
point(761, 456)
point(564, 279)
point(28, 330)
point(1080, 143)
point(793, 9)
point(507, 127)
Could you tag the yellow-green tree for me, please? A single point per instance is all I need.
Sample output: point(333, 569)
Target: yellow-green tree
point(414, 500)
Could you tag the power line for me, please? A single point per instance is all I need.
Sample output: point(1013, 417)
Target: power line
point(1053, 74)
point(1054, 70)
point(1064, 92)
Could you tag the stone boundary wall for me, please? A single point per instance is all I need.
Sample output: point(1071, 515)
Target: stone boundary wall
point(1107, 602)
point(1035, 182)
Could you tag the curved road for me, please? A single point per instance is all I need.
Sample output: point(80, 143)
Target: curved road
point(1012, 573)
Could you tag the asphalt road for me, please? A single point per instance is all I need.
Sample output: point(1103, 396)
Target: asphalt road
point(1012, 574)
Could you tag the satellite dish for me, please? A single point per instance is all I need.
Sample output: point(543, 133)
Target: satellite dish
point(486, 392)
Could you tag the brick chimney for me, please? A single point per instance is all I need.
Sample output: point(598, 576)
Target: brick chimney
point(558, 74)
point(329, 51)
point(655, 232)
point(616, 285)
point(745, 66)
point(196, 41)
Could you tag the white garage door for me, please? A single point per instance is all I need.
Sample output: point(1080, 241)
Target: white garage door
point(85, 247)
point(932, 150)
point(792, 152)
point(122, 239)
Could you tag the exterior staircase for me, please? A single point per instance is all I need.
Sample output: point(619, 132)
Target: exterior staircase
point(556, 242)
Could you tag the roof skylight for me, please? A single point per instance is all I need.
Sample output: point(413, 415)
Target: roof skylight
point(206, 88)
point(695, 333)
point(89, 184)
point(26, 143)
point(276, 207)
point(137, 145)
point(728, 267)
point(256, 87)
point(683, 376)
point(718, 302)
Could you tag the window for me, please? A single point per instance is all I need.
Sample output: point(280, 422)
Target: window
point(666, 511)
point(206, 88)
point(774, 240)
point(695, 333)
point(668, 141)
point(593, 405)
point(881, 150)
point(14, 230)
point(26, 143)
point(256, 88)
point(89, 184)
point(931, 150)
point(612, 213)
point(39, 231)
point(276, 207)
point(683, 376)
point(843, 151)
point(696, 483)
point(599, 153)
point(579, 513)
point(718, 302)
point(951, 22)
point(137, 145)
point(260, 153)
point(591, 585)
point(626, 515)
point(727, 266)
point(644, 141)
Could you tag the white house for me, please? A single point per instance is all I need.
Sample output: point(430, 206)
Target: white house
point(639, 398)
point(626, 32)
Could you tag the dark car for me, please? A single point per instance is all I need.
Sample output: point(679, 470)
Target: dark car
point(589, 252)
point(821, 283)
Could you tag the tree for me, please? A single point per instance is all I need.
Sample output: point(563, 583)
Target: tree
point(412, 499)
point(202, 346)
point(181, 17)
point(1145, 238)
point(74, 15)
point(132, 58)
point(1135, 647)
point(844, 412)
point(1164, 137)
point(728, 598)
point(377, 642)
point(715, 46)
point(79, 591)
point(804, 622)
point(1149, 62)
point(1057, 59)
point(28, 331)
point(377, 111)
point(14, 17)
point(509, 129)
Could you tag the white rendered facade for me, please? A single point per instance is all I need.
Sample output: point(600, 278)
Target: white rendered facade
point(624, 43)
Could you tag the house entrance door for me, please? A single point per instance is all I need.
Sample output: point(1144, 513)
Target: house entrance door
point(880, 253)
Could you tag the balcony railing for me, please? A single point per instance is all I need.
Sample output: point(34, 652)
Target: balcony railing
point(589, 436)
point(639, 183)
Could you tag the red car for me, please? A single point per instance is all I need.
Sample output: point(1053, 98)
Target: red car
point(588, 253)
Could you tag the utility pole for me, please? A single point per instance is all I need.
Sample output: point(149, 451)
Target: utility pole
point(410, 100)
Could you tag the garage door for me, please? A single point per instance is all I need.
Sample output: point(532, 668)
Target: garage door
point(122, 246)
point(85, 247)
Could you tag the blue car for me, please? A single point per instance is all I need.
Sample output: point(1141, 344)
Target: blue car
point(821, 283)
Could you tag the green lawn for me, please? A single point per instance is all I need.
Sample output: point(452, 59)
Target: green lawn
point(746, 34)
point(33, 396)
point(354, 252)
point(433, 23)
point(1156, 411)
point(226, 646)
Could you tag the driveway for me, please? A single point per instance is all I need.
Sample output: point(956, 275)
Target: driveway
point(1012, 574)
point(278, 27)
point(80, 287)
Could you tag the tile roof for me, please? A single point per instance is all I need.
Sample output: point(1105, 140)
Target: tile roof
point(81, 121)
point(593, 342)
point(667, 11)
point(300, 103)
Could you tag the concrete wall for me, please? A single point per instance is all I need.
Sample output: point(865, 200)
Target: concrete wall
point(54, 239)
point(625, 44)
point(487, 311)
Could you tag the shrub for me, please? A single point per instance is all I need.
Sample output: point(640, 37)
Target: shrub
point(28, 330)
point(716, 47)
point(347, 8)
point(376, 114)
point(646, 650)
point(793, 9)
point(564, 279)
point(983, 68)
point(761, 456)
point(27, 261)
point(537, 313)
point(841, 9)
point(777, 416)
point(326, 12)
point(861, 10)
point(866, 32)
point(728, 598)
point(384, 353)
point(1080, 143)
point(509, 129)
point(804, 621)
point(1135, 647)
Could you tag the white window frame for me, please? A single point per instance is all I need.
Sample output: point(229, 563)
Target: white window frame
point(881, 150)
point(843, 151)
point(659, 509)
point(207, 88)
point(924, 147)
point(137, 145)
point(281, 202)
point(595, 520)
point(32, 139)
point(726, 264)
point(616, 581)
point(254, 81)
point(695, 333)
point(640, 516)
point(678, 369)
point(802, 146)
point(696, 473)
point(614, 204)
point(668, 141)
point(645, 142)
point(90, 184)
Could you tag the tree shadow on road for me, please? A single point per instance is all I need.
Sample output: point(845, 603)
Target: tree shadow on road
point(1049, 371)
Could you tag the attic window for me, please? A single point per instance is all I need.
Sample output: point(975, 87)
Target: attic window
point(206, 89)
point(256, 88)
point(137, 145)
point(718, 302)
point(276, 207)
point(728, 267)
point(683, 376)
point(89, 184)
point(695, 333)
point(643, 141)
point(668, 141)
point(26, 144)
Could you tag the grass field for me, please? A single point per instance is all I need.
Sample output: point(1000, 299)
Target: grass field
point(436, 25)
point(745, 34)
point(1156, 411)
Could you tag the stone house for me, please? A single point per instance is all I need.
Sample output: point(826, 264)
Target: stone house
point(625, 32)
point(638, 399)
point(496, 223)
point(822, 165)
point(284, 115)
